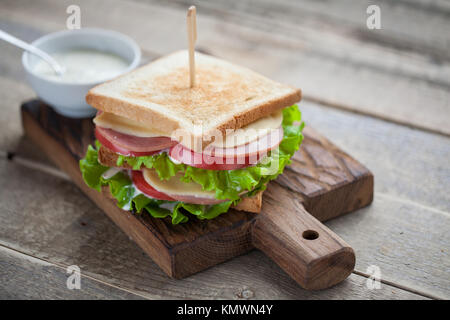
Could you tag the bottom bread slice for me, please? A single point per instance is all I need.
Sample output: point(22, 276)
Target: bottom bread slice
point(251, 204)
point(108, 158)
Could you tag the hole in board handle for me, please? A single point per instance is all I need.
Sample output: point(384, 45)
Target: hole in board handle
point(310, 235)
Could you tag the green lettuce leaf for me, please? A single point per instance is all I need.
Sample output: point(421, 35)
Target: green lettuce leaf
point(91, 169)
point(227, 184)
point(123, 190)
point(160, 162)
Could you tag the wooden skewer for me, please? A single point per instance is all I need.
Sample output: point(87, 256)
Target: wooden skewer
point(192, 38)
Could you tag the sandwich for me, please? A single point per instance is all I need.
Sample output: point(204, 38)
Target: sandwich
point(171, 151)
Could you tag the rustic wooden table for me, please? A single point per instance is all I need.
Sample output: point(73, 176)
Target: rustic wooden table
point(381, 95)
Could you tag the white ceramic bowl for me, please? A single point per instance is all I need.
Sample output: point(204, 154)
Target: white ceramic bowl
point(68, 98)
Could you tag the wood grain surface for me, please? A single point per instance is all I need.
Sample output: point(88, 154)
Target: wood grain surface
point(418, 265)
point(74, 231)
point(404, 232)
point(394, 83)
point(181, 250)
point(26, 276)
point(23, 277)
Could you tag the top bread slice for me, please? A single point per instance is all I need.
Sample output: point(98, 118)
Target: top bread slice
point(225, 96)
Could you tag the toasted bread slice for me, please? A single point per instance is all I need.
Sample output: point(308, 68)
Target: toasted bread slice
point(108, 158)
point(225, 96)
point(251, 204)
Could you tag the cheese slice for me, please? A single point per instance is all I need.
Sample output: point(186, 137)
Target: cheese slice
point(124, 125)
point(242, 136)
point(174, 186)
point(250, 132)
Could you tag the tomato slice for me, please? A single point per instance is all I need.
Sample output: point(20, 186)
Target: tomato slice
point(143, 186)
point(108, 144)
point(254, 148)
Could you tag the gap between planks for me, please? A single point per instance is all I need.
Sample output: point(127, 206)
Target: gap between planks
point(413, 203)
point(401, 287)
point(32, 164)
point(59, 174)
point(64, 268)
point(333, 105)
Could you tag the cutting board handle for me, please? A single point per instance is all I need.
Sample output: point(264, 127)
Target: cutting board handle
point(302, 246)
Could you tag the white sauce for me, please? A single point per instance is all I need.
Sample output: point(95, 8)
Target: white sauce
point(111, 172)
point(164, 150)
point(174, 161)
point(127, 207)
point(168, 205)
point(83, 65)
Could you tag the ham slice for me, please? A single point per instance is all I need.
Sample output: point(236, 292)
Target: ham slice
point(133, 143)
point(255, 148)
point(216, 158)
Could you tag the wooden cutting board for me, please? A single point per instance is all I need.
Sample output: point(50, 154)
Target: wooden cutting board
point(323, 182)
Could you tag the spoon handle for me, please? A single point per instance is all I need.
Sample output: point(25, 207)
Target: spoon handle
point(32, 49)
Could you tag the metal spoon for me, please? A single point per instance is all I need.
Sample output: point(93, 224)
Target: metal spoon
point(59, 70)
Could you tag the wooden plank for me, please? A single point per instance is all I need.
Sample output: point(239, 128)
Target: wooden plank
point(408, 164)
point(398, 166)
point(26, 277)
point(410, 197)
point(55, 222)
point(394, 174)
point(406, 25)
point(393, 84)
point(394, 236)
point(11, 94)
point(335, 184)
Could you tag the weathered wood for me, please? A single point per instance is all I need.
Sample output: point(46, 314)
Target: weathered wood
point(408, 164)
point(285, 228)
point(405, 26)
point(397, 236)
point(331, 63)
point(26, 277)
point(10, 94)
point(388, 148)
point(76, 232)
point(411, 199)
point(54, 221)
point(181, 250)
